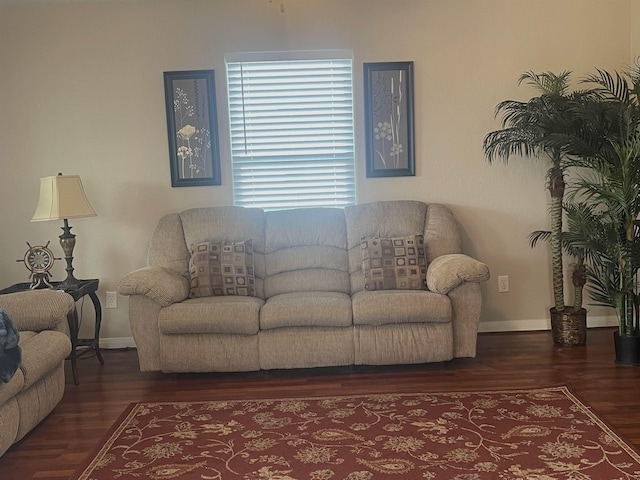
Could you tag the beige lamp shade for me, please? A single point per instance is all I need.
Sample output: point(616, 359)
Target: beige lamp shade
point(62, 197)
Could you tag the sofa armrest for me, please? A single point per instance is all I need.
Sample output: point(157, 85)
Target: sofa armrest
point(160, 284)
point(38, 310)
point(447, 272)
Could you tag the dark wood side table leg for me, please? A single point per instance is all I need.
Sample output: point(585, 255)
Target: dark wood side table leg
point(96, 335)
point(72, 319)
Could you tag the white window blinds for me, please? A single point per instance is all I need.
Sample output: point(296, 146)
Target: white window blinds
point(291, 128)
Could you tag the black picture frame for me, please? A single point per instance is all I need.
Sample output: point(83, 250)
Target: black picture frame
point(389, 128)
point(194, 153)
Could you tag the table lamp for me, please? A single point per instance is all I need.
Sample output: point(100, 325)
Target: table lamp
point(61, 198)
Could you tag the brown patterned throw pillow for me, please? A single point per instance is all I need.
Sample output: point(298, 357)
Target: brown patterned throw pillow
point(222, 268)
point(394, 263)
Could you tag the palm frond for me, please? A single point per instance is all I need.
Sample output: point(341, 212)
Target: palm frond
point(610, 87)
point(507, 142)
point(547, 82)
point(538, 235)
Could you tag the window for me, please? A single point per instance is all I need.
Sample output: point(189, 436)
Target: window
point(291, 123)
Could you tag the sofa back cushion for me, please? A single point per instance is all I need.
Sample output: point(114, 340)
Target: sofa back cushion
point(399, 218)
point(177, 233)
point(305, 251)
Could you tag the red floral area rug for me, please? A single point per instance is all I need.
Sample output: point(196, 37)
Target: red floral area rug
point(540, 434)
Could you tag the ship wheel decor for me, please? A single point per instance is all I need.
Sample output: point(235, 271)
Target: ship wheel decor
point(39, 260)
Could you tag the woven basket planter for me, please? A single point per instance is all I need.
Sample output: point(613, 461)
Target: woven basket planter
point(569, 327)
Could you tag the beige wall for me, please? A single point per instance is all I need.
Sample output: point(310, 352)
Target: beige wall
point(81, 92)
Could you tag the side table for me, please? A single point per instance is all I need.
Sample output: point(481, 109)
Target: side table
point(84, 287)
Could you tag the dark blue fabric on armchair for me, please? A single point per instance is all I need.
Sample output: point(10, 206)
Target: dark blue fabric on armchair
point(10, 352)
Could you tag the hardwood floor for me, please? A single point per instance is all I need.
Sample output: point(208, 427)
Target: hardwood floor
point(509, 360)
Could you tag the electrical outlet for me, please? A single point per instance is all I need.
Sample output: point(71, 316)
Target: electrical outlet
point(112, 300)
point(503, 283)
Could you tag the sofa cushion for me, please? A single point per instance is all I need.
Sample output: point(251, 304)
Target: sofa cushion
point(306, 309)
point(222, 268)
point(400, 306)
point(224, 315)
point(305, 251)
point(394, 263)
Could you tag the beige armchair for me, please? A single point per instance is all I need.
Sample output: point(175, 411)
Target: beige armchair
point(38, 385)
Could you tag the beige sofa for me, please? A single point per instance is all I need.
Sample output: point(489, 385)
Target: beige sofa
point(38, 385)
point(311, 307)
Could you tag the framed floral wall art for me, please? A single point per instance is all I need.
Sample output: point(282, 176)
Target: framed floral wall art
point(194, 155)
point(388, 89)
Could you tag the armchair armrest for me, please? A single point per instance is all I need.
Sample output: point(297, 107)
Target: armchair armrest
point(447, 272)
point(160, 284)
point(38, 310)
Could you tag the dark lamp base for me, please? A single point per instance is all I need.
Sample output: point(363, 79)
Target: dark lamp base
point(69, 282)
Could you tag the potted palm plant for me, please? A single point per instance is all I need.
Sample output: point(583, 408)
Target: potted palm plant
point(605, 198)
point(544, 127)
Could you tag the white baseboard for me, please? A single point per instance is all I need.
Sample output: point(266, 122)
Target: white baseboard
point(118, 342)
point(485, 327)
point(539, 324)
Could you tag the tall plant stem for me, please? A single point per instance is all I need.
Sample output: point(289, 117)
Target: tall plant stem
point(556, 189)
point(579, 279)
point(628, 298)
